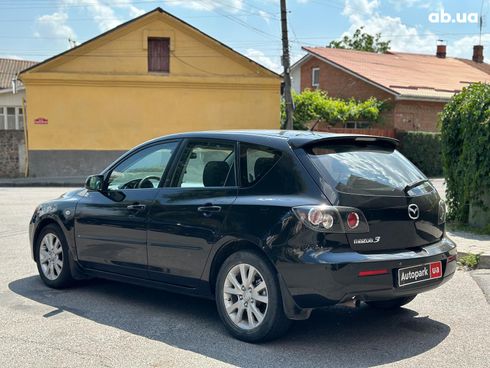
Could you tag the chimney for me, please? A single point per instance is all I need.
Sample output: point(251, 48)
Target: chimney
point(441, 51)
point(478, 53)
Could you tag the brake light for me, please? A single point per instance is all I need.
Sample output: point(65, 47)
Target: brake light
point(332, 219)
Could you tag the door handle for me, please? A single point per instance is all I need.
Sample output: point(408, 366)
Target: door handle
point(207, 210)
point(137, 207)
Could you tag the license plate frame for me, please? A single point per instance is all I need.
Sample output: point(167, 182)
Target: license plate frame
point(419, 273)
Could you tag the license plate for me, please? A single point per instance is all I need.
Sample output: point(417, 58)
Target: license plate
point(420, 273)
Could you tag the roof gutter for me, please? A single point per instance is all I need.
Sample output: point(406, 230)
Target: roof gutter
point(422, 99)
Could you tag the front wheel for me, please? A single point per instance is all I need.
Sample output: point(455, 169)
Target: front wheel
point(391, 303)
point(52, 258)
point(248, 298)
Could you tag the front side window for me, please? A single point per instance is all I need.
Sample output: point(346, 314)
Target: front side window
point(364, 169)
point(143, 170)
point(158, 54)
point(207, 164)
point(255, 162)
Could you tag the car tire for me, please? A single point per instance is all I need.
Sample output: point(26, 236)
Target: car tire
point(246, 318)
point(391, 303)
point(52, 258)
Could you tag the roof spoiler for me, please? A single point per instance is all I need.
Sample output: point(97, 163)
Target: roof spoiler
point(385, 141)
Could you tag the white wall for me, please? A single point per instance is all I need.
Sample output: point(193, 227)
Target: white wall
point(11, 100)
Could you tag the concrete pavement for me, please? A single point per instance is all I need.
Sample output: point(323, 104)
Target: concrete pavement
point(108, 324)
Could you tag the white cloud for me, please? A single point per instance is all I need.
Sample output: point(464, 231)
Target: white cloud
point(403, 4)
point(265, 16)
point(262, 59)
point(231, 6)
point(127, 4)
point(403, 37)
point(464, 46)
point(11, 56)
point(54, 25)
point(102, 13)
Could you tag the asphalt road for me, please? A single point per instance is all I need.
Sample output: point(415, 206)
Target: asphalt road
point(107, 324)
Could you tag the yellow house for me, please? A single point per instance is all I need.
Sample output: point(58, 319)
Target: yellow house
point(151, 76)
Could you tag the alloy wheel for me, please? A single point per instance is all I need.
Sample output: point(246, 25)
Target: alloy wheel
point(245, 296)
point(51, 256)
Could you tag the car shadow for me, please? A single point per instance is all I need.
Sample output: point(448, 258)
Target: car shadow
point(336, 336)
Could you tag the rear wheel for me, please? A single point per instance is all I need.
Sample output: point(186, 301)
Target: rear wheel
point(391, 303)
point(249, 300)
point(52, 258)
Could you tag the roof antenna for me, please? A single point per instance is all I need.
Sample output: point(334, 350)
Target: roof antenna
point(72, 42)
point(480, 23)
point(312, 128)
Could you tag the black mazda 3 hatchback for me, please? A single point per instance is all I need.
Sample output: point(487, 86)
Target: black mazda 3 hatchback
point(271, 224)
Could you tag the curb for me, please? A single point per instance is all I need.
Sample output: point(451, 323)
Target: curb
point(39, 184)
point(484, 262)
point(43, 182)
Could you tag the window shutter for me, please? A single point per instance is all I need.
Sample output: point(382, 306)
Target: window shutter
point(158, 54)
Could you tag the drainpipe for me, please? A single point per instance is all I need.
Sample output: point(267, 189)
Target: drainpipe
point(26, 159)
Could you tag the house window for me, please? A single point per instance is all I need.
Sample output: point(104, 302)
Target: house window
point(315, 77)
point(357, 124)
point(158, 54)
point(11, 118)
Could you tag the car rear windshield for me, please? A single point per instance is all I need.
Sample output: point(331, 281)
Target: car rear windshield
point(365, 168)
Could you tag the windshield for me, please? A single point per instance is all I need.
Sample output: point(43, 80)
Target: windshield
point(366, 169)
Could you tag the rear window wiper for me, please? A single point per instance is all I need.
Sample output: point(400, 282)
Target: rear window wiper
point(415, 184)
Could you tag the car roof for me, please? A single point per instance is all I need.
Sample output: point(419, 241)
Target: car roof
point(295, 138)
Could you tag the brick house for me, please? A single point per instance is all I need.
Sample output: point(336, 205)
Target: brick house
point(415, 86)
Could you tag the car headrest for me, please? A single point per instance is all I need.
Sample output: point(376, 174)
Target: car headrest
point(215, 173)
point(262, 166)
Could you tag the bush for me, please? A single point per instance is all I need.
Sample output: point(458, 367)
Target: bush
point(465, 139)
point(316, 105)
point(424, 150)
point(469, 260)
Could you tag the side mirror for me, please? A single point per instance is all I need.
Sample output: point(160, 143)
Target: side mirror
point(94, 182)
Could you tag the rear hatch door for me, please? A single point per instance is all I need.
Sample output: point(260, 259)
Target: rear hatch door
point(401, 206)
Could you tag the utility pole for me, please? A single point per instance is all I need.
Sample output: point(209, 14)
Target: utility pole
point(288, 98)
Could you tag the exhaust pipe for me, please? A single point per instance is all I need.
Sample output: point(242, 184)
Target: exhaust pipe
point(351, 303)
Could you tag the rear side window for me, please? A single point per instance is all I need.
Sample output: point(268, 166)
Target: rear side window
point(255, 162)
point(207, 164)
point(364, 169)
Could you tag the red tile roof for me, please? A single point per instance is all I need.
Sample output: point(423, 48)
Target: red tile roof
point(410, 75)
point(9, 68)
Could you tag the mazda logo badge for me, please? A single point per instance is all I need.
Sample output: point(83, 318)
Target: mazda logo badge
point(413, 211)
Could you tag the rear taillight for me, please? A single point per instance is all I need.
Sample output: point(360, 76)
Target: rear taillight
point(352, 220)
point(332, 219)
point(441, 217)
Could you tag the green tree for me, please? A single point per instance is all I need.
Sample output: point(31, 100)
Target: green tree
point(315, 105)
point(362, 41)
point(465, 138)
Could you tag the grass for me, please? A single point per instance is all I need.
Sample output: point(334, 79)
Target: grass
point(470, 260)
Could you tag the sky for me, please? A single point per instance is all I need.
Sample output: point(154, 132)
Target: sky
point(39, 29)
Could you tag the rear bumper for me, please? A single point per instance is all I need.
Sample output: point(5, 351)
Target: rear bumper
point(326, 276)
